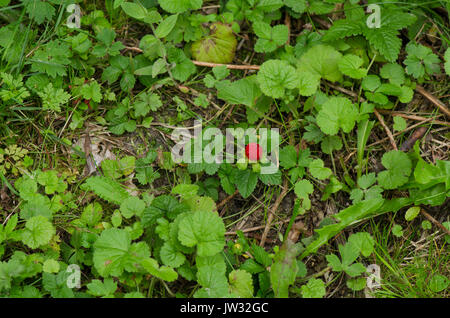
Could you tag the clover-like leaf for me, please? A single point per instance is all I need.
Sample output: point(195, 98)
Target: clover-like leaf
point(269, 38)
point(421, 61)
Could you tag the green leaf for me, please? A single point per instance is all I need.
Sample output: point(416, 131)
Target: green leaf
point(288, 157)
point(397, 230)
point(334, 262)
point(40, 11)
point(244, 91)
point(106, 189)
point(114, 253)
point(132, 206)
point(371, 83)
point(218, 47)
point(170, 256)
point(166, 26)
point(352, 214)
point(356, 284)
point(50, 266)
point(53, 98)
point(394, 73)
point(399, 123)
point(303, 189)
point(241, 283)
point(438, 283)
point(412, 212)
point(350, 65)
point(38, 231)
point(385, 40)
point(337, 112)
point(363, 241)
point(315, 288)
point(134, 10)
point(163, 272)
point(367, 180)
point(246, 181)
point(91, 91)
point(398, 167)
point(204, 229)
point(261, 256)
point(298, 6)
point(317, 169)
point(226, 174)
point(147, 102)
point(180, 6)
point(343, 28)
point(421, 61)
point(162, 206)
point(321, 60)
point(275, 76)
point(331, 143)
point(269, 38)
point(308, 83)
point(447, 61)
point(186, 191)
point(98, 288)
point(284, 269)
point(211, 276)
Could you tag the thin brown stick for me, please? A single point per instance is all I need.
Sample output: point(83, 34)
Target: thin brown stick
point(388, 132)
point(260, 227)
point(273, 210)
point(400, 132)
point(416, 135)
point(229, 66)
point(434, 221)
point(287, 22)
point(133, 48)
point(433, 99)
point(414, 117)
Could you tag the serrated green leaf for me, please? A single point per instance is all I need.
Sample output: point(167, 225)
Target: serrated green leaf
point(37, 232)
point(336, 113)
point(204, 229)
point(317, 169)
point(315, 288)
point(350, 65)
point(398, 167)
point(275, 76)
point(241, 283)
point(246, 181)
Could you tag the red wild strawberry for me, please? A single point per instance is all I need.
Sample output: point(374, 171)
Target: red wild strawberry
point(253, 151)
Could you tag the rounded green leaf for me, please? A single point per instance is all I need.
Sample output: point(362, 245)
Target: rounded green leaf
point(411, 213)
point(38, 231)
point(204, 229)
point(218, 47)
point(275, 76)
